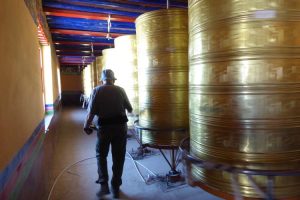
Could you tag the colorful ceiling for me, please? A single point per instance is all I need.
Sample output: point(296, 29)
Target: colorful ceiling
point(81, 29)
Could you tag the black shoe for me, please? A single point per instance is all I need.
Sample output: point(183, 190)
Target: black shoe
point(116, 192)
point(104, 189)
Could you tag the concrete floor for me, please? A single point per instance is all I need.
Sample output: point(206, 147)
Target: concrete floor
point(73, 161)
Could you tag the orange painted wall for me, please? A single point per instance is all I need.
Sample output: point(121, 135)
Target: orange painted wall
point(71, 83)
point(21, 104)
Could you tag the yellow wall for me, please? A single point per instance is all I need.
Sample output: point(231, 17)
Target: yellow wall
point(71, 83)
point(55, 66)
point(21, 105)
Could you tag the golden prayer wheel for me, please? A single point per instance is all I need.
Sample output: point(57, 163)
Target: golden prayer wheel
point(110, 60)
point(99, 66)
point(128, 78)
point(94, 74)
point(162, 45)
point(245, 91)
point(87, 79)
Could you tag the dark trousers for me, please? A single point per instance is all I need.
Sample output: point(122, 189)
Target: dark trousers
point(114, 135)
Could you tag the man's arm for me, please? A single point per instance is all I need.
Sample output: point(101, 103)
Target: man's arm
point(88, 120)
point(91, 114)
point(87, 125)
point(127, 104)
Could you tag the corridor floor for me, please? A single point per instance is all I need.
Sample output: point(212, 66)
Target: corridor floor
point(73, 169)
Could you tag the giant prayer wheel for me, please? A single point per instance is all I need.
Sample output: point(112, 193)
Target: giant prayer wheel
point(110, 61)
point(245, 91)
point(127, 57)
point(87, 80)
point(94, 74)
point(99, 67)
point(162, 45)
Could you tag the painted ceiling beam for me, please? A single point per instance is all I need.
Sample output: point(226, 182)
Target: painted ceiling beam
point(86, 33)
point(82, 43)
point(78, 50)
point(90, 25)
point(72, 57)
point(153, 4)
point(75, 63)
point(56, 20)
point(71, 64)
point(79, 47)
point(172, 3)
point(70, 26)
point(105, 4)
point(67, 6)
point(86, 15)
point(80, 38)
point(78, 53)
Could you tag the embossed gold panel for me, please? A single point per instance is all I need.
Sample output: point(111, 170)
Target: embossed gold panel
point(98, 68)
point(162, 44)
point(245, 90)
point(94, 74)
point(128, 79)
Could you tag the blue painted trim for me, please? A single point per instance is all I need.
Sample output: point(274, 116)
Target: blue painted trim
point(56, 104)
point(79, 47)
point(108, 3)
point(6, 174)
point(88, 9)
point(49, 105)
point(162, 2)
point(74, 57)
point(80, 38)
point(90, 28)
point(89, 22)
point(90, 25)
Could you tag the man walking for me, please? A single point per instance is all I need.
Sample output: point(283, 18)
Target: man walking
point(109, 103)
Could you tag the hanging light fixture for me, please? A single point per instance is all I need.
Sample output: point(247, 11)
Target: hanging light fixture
point(92, 49)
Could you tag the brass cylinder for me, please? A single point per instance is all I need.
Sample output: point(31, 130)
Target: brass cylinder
point(162, 45)
point(99, 67)
point(87, 79)
point(128, 79)
point(110, 60)
point(94, 74)
point(245, 91)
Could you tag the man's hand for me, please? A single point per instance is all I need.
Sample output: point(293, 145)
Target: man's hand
point(88, 130)
point(131, 114)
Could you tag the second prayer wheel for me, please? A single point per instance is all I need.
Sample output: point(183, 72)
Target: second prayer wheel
point(87, 80)
point(98, 69)
point(162, 45)
point(128, 79)
point(110, 61)
point(245, 92)
point(95, 74)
